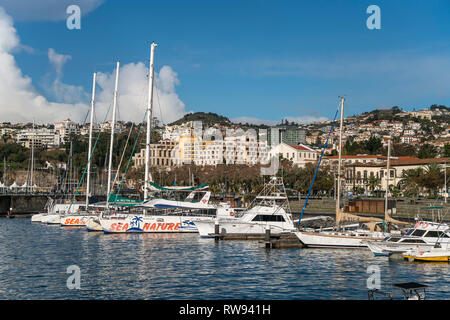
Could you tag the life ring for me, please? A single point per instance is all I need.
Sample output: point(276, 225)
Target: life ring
point(231, 213)
point(417, 224)
point(425, 225)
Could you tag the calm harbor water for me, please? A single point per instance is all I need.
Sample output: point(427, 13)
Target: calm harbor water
point(34, 260)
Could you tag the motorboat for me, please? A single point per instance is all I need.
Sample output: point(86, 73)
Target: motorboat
point(422, 237)
point(433, 254)
point(253, 221)
point(270, 210)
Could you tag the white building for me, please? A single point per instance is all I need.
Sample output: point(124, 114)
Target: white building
point(66, 128)
point(300, 155)
point(41, 137)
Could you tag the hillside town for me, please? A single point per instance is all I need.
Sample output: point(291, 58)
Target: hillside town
point(420, 139)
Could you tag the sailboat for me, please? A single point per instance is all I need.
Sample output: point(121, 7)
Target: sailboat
point(347, 239)
point(157, 215)
point(81, 217)
point(57, 208)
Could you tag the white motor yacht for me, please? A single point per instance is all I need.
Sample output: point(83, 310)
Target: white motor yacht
point(422, 237)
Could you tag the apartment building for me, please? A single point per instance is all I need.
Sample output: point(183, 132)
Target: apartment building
point(39, 138)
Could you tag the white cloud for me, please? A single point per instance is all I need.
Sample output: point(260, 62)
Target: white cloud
point(133, 93)
point(300, 120)
point(21, 102)
point(252, 120)
point(58, 60)
point(46, 10)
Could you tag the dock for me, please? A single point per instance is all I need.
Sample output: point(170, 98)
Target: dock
point(271, 241)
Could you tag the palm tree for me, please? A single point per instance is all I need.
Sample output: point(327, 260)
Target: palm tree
point(409, 183)
point(373, 183)
point(432, 178)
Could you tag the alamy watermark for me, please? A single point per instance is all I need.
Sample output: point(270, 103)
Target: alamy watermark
point(73, 21)
point(74, 280)
point(374, 279)
point(374, 20)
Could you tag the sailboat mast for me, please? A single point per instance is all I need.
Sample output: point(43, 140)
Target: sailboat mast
point(90, 141)
point(113, 125)
point(338, 201)
point(32, 157)
point(149, 121)
point(387, 178)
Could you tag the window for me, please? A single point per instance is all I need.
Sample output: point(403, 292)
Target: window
point(432, 234)
point(436, 234)
point(419, 233)
point(413, 241)
point(266, 218)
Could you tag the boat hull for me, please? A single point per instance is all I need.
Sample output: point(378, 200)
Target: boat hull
point(51, 219)
point(320, 240)
point(150, 224)
point(74, 220)
point(386, 248)
point(207, 227)
point(93, 224)
point(37, 217)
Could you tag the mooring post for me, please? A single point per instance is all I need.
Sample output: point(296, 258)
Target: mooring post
point(216, 229)
point(267, 236)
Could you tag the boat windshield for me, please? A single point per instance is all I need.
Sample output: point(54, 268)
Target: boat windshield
point(409, 232)
point(263, 217)
point(413, 241)
point(419, 233)
point(393, 239)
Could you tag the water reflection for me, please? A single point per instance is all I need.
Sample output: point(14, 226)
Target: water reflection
point(35, 257)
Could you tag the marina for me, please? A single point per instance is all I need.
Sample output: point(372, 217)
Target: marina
point(224, 159)
point(186, 266)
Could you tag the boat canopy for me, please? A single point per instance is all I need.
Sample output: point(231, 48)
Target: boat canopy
point(123, 201)
point(157, 187)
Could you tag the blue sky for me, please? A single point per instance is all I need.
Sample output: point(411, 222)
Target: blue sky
point(257, 59)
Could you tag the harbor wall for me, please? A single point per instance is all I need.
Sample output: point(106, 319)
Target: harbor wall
point(406, 209)
point(22, 204)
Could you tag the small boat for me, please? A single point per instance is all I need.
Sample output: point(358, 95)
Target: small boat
point(440, 252)
point(432, 255)
point(422, 237)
